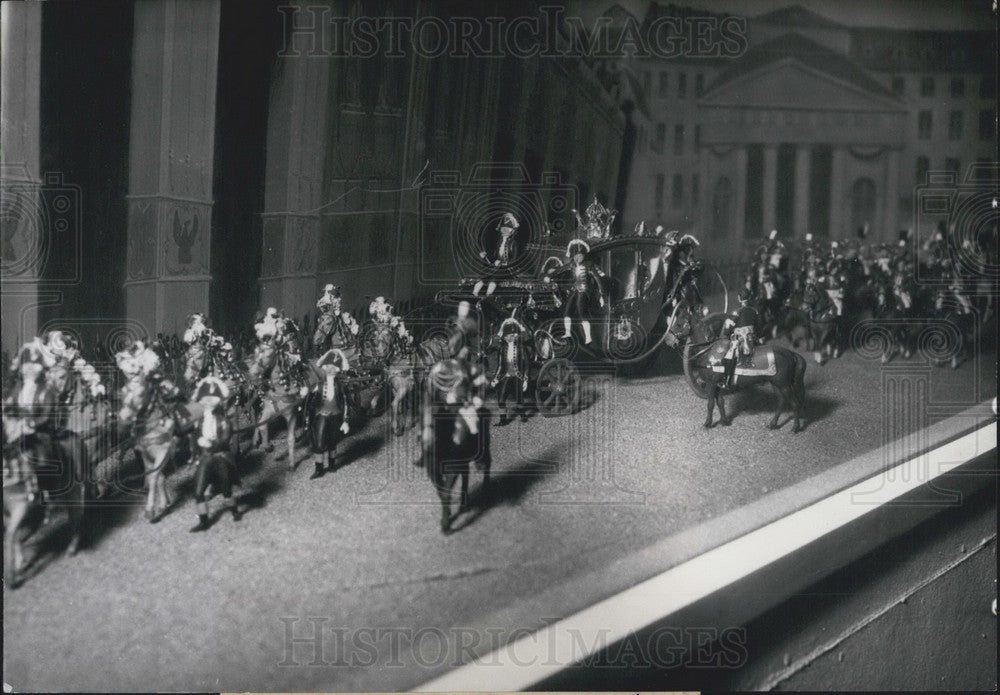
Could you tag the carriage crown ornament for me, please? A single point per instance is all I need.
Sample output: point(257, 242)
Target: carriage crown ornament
point(599, 219)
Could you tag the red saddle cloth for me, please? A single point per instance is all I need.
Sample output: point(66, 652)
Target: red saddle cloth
point(760, 362)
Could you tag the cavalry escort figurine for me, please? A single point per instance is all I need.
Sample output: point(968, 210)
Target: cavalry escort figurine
point(329, 424)
point(743, 324)
point(216, 464)
point(506, 255)
point(335, 328)
point(381, 312)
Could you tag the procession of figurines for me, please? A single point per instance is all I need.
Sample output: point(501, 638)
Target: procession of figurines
point(502, 341)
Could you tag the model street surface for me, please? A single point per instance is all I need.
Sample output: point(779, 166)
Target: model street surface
point(358, 555)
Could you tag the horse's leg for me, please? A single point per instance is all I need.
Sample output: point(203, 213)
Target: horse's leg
point(720, 401)
point(76, 501)
point(463, 503)
point(13, 556)
point(292, 419)
point(444, 485)
point(782, 401)
point(152, 473)
point(713, 392)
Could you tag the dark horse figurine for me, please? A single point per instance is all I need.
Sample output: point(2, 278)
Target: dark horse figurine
point(456, 432)
point(782, 368)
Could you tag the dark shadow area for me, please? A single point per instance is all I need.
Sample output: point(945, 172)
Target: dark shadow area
point(689, 658)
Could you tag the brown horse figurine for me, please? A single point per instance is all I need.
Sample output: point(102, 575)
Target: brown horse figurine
point(782, 368)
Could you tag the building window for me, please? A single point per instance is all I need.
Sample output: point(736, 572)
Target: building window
point(953, 165)
point(661, 137)
point(658, 204)
point(664, 84)
point(988, 88)
point(987, 124)
point(927, 87)
point(678, 139)
point(677, 192)
point(898, 86)
point(682, 85)
point(924, 125)
point(697, 136)
point(955, 125)
point(957, 87)
point(699, 84)
point(923, 165)
point(694, 189)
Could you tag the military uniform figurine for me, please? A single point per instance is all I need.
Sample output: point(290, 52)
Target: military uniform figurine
point(507, 254)
point(512, 369)
point(216, 465)
point(582, 277)
point(381, 312)
point(743, 323)
point(329, 423)
point(335, 329)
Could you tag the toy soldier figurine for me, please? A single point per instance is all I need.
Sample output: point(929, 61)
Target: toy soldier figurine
point(267, 328)
point(30, 414)
point(507, 254)
point(676, 259)
point(66, 352)
point(335, 329)
point(582, 277)
point(330, 423)
point(512, 369)
point(216, 465)
point(743, 323)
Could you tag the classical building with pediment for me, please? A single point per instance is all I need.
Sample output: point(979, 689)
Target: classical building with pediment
point(816, 127)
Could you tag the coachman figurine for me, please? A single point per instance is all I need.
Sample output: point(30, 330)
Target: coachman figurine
point(743, 323)
point(329, 425)
point(584, 279)
point(216, 464)
point(511, 377)
point(506, 256)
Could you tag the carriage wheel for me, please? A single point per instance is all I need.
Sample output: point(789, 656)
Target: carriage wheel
point(557, 389)
point(695, 380)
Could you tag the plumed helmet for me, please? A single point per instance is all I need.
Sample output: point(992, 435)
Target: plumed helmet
point(211, 387)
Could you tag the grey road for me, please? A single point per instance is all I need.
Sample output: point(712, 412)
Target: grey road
point(357, 555)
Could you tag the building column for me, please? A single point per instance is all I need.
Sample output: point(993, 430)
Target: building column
point(293, 186)
point(837, 193)
point(770, 186)
point(803, 166)
point(22, 236)
point(891, 188)
point(175, 55)
point(740, 194)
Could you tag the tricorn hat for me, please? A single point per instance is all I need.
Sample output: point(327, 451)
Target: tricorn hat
point(508, 220)
point(576, 242)
point(510, 325)
point(334, 357)
point(211, 386)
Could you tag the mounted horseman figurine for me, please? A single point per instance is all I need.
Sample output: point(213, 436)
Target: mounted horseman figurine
point(335, 329)
point(329, 423)
point(216, 464)
point(507, 254)
point(743, 325)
